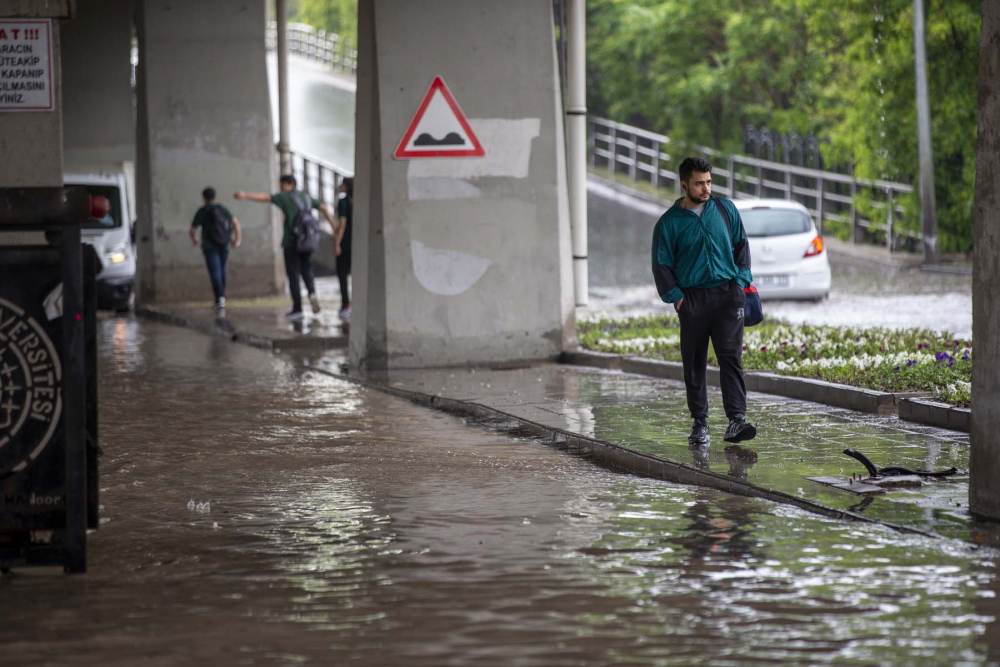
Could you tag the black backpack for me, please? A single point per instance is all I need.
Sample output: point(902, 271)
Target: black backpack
point(306, 227)
point(220, 229)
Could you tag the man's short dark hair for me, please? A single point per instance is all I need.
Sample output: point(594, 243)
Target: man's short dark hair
point(288, 178)
point(208, 194)
point(691, 165)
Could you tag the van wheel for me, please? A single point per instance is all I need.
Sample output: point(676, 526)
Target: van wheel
point(127, 306)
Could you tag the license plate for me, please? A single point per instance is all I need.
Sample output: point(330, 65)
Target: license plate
point(771, 281)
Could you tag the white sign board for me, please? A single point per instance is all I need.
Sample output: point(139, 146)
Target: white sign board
point(439, 128)
point(26, 65)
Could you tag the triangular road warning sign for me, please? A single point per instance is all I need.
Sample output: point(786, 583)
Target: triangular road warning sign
point(439, 128)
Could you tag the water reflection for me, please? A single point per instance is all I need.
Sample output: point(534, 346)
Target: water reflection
point(347, 526)
point(740, 461)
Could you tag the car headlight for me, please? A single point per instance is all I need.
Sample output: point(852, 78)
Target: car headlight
point(115, 254)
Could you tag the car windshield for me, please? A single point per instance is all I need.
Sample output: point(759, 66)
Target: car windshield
point(112, 218)
point(775, 222)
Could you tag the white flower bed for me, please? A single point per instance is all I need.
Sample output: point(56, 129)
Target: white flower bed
point(638, 345)
point(862, 361)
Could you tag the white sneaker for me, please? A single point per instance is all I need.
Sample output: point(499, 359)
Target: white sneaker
point(345, 314)
point(294, 316)
point(221, 303)
point(314, 301)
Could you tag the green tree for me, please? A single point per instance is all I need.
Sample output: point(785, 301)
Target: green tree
point(841, 69)
point(337, 16)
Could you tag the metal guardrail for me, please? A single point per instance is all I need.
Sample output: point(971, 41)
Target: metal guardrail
point(320, 45)
point(320, 178)
point(829, 196)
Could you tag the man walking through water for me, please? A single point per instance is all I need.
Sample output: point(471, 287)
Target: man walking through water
point(218, 226)
point(294, 203)
point(701, 264)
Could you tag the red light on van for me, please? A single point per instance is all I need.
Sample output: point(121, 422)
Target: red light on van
point(99, 206)
point(815, 248)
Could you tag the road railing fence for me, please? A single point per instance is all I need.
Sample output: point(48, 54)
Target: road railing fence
point(319, 178)
point(315, 44)
point(871, 211)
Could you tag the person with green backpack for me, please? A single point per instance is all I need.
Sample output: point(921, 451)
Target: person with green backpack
point(299, 239)
point(219, 230)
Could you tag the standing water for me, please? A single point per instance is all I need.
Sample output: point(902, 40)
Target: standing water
point(335, 525)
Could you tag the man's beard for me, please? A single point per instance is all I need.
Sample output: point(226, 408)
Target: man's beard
point(702, 199)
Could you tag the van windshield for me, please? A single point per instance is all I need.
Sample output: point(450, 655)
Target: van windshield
point(113, 217)
point(775, 222)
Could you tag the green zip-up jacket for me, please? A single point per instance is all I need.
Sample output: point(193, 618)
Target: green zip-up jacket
point(689, 251)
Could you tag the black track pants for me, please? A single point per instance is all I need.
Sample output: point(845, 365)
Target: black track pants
point(715, 313)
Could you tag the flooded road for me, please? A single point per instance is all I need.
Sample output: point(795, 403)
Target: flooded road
point(255, 512)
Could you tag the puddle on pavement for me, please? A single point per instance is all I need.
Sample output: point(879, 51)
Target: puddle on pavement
point(340, 525)
point(795, 439)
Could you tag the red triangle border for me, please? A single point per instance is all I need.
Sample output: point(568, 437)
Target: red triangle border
point(476, 151)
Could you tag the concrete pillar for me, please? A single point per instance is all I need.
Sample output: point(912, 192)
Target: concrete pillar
point(465, 259)
point(31, 141)
point(99, 123)
point(984, 466)
point(204, 119)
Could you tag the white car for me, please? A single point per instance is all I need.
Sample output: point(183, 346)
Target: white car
point(109, 229)
point(787, 255)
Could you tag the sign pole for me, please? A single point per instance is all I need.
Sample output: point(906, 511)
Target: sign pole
point(74, 386)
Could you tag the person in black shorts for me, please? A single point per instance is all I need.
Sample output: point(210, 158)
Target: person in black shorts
point(345, 217)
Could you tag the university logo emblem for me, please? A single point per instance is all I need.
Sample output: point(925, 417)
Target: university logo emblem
point(30, 389)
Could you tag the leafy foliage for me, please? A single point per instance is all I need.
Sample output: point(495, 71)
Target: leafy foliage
point(844, 70)
point(338, 16)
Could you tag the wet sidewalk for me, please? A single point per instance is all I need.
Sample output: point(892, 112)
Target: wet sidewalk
point(258, 512)
point(796, 439)
point(262, 322)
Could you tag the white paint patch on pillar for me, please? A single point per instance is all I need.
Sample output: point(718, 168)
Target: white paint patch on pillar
point(446, 272)
point(422, 189)
point(507, 143)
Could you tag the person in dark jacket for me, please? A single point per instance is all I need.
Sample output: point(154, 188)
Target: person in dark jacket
point(216, 252)
point(343, 239)
point(701, 267)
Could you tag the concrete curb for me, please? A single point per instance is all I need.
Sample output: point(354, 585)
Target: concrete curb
point(225, 328)
point(937, 414)
point(601, 452)
point(806, 389)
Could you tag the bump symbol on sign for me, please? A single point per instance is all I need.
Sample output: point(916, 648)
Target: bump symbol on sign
point(439, 128)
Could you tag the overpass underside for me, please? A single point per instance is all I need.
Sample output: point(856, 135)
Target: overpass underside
point(197, 115)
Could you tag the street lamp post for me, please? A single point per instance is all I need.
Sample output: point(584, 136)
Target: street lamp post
point(284, 155)
point(928, 207)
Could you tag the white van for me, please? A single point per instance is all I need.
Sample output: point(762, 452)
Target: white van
point(111, 234)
